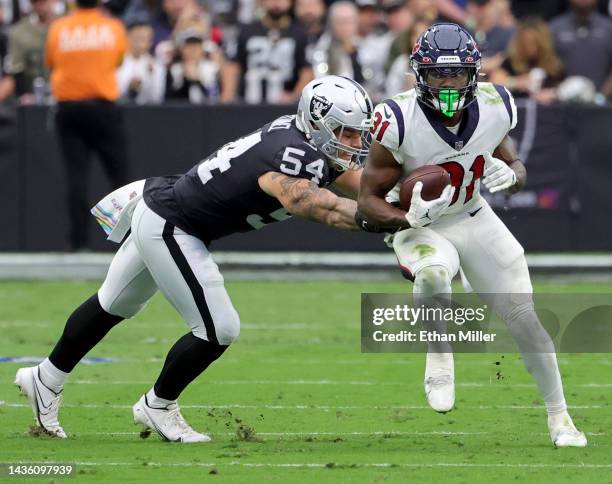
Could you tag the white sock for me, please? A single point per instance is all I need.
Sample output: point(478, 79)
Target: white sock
point(543, 367)
point(51, 376)
point(157, 402)
point(539, 356)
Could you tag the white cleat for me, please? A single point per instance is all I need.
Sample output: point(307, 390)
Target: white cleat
point(563, 432)
point(167, 422)
point(45, 402)
point(440, 381)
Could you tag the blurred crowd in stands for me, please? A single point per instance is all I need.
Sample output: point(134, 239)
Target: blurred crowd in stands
point(265, 51)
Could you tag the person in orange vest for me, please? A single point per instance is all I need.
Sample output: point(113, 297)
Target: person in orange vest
point(83, 51)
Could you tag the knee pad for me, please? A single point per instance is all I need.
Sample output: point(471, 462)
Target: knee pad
point(432, 280)
point(227, 327)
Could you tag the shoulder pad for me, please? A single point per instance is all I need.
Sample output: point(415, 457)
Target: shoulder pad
point(496, 94)
point(389, 127)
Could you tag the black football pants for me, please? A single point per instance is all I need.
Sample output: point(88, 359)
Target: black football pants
point(83, 128)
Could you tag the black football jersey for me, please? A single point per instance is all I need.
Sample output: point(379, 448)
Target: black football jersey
point(270, 60)
point(221, 195)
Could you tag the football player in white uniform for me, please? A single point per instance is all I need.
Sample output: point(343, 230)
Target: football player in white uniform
point(452, 120)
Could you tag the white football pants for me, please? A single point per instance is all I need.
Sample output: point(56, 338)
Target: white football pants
point(158, 255)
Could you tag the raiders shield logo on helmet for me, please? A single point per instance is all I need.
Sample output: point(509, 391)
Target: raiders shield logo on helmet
point(319, 107)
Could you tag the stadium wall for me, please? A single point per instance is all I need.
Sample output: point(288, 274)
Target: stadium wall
point(563, 208)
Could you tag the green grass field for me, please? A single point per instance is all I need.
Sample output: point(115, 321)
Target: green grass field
point(295, 400)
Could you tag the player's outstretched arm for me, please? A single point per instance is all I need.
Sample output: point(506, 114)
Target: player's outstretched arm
point(304, 198)
point(380, 175)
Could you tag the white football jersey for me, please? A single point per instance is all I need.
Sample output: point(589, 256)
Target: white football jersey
point(416, 136)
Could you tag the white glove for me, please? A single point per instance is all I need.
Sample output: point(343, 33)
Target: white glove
point(423, 212)
point(497, 175)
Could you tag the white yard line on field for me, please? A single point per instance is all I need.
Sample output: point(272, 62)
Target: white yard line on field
point(323, 465)
point(314, 407)
point(380, 433)
point(491, 384)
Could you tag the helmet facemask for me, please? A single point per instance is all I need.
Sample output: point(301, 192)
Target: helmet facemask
point(341, 155)
point(447, 100)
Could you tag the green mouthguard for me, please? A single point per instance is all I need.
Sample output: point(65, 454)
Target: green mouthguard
point(449, 97)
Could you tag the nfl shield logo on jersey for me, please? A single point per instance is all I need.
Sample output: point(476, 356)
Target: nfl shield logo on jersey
point(459, 145)
point(319, 107)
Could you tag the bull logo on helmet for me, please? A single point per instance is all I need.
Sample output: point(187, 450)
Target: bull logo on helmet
point(319, 107)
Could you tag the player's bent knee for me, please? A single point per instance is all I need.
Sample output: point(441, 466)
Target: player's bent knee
point(229, 330)
point(432, 280)
point(227, 327)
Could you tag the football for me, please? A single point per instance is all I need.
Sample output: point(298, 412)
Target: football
point(434, 178)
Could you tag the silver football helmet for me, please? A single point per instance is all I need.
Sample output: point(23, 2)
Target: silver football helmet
point(327, 107)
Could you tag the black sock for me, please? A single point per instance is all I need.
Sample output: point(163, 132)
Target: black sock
point(189, 357)
point(85, 327)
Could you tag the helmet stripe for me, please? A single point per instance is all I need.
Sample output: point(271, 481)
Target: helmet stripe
point(361, 90)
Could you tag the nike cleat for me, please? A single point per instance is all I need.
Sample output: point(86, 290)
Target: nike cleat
point(167, 422)
point(44, 401)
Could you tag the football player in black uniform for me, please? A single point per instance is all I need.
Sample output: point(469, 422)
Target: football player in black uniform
point(279, 170)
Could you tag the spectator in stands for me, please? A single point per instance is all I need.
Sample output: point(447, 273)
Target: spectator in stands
point(531, 68)
point(373, 46)
point(398, 16)
point(311, 14)
point(194, 77)
point(544, 9)
point(177, 16)
point(492, 39)
point(222, 12)
point(141, 76)
point(84, 82)
point(505, 17)
point(268, 62)
point(425, 11)
point(166, 18)
point(11, 11)
point(400, 77)
point(25, 61)
point(583, 39)
point(336, 53)
point(452, 10)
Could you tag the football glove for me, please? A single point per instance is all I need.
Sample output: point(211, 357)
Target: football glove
point(498, 175)
point(423, 212)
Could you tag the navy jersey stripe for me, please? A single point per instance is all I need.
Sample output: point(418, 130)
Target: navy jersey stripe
point(506, 98)
point(400, 119)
